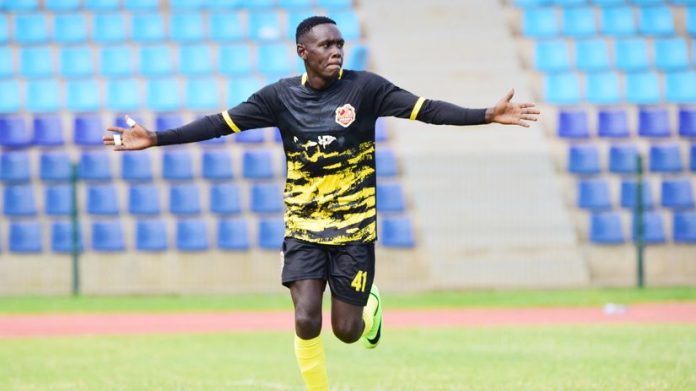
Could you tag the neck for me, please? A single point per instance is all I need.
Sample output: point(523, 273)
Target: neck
point(319, 83)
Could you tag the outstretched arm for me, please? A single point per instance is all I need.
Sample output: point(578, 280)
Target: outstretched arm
point(509, 113)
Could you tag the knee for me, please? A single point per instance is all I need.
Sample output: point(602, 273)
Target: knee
point(347, 330)
point(307, 324)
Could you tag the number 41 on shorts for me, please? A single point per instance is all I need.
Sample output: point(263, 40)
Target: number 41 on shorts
point(359, 281)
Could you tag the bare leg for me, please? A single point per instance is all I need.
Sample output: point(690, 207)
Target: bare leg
point(307, 296)
point(346, 320)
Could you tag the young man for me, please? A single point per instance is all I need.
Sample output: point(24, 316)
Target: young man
point(327, 118)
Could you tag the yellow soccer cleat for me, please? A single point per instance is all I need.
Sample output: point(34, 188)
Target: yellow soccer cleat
point(371, 339)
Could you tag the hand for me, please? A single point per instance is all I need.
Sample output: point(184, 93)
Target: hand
point(133, 139)
point(508, 113)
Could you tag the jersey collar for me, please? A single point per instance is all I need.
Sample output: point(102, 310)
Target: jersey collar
point(304, 76)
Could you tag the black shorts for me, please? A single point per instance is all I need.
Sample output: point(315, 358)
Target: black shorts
point(349, 268)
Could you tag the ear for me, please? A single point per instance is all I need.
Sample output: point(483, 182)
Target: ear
point(302, 51)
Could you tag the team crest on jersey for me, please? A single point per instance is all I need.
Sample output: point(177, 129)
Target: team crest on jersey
point(345, 115)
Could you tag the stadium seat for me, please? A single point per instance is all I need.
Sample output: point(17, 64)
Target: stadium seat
point(21, 5)
point(385, 162)
point(684, 227)
point(680, 86)
point(583, 159)
point(290, 4)
point(606, 228)
point(156, 60)
point(101, 5)
point(357, 58)
point(294, 18)
point(177, 165)
point(95, 166)
point(687, 121)
point(264, 25)
point(240, 89)
point(217, 164)
point(136, 166)
point(257, 164)
point(271, 232)
point(562, 88)
point(573, 124)
point(88, 129)
point(347, 20)
point(266, 198)
point(151, 235)
point(83, 95)
point(618, 21)
point(623, 158)
point(13, 131)
point(48, 130)
point(191, 235)
point(18, 200)
point(141, 5)
point(612, 123)
point(226, 26)
point(143, 199)
point(58, 200)
point(166, 121)
point(278, 138)
point(148, 27)
point(654, 122)
point(273, 59)
point(225, 199)
point(540, 23)
point(653, 227)
point(195, 60)
point(187, 26)
point(202, 94)
point(115, 61)
point(76, 61)
point(15, 166)
point(629, 193)
point(671, 54)
point(656, 20)
point(163, 94)
point(592, 55)
point(43, 95)
point(36, 61)
point(55, 166)
point(603, 88)
point(4, 29)
point(184, 199)
point(10, 100)
point(643, 88)
point(397, 232)
point(665, 158)
point(552, 55)
point(381, 133)
point(250, 136)
point(187, 4)
point(691, 23)
point(30, 28)
point(62, 5)
point(677, 193)
point(123, 94)
point(631, 54)
point(235, 59)
point(579, 22)
point(334, 4)
point(102, 199)
point(107, 236)
point(692, 152)
point(593, 194)
point(109, 28)
point(26, 237)
point(69, 28)
point(390, 198)
point(62, 237)
point(7, 67)
point(233, 234)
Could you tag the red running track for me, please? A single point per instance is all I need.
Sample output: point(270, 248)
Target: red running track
point(26, 326)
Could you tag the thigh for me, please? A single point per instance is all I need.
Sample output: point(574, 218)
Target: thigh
point(351, 273)
point(303, 261)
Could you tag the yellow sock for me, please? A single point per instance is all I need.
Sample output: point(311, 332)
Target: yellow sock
point(369, 314)
point(312, 363)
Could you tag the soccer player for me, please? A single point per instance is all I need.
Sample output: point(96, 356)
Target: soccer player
point(327, 121)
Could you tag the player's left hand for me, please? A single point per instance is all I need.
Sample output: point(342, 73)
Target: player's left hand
point(508, 113)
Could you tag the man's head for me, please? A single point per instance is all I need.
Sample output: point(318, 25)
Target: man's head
point(320, 45)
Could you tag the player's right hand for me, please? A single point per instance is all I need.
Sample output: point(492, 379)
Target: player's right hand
point(134, 139)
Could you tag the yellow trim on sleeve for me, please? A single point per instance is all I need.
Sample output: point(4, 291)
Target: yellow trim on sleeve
point(416, 108)
point(340, 74)
point(229, 122)
point(304, 78)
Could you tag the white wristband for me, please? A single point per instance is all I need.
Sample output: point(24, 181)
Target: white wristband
point(117, 140)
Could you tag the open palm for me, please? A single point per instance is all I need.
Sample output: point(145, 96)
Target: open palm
point(509, 113)
point(133, 139)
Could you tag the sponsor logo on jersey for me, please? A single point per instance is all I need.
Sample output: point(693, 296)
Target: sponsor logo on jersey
point(345, 115)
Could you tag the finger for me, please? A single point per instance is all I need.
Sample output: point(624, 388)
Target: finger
point(529, 118)
point(523, 124)
point(116, 129)
point(509, 95)
point(109, 142)
point(108, 139)
point(527, 105)
point(130, 121)
point(532, 111)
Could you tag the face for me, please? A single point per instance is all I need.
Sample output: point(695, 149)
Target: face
point(322, 51)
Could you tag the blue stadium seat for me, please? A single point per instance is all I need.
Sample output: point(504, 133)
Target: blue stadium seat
point(347, 20)
point(76, 61)
point(62, 5)
point(191, 235)
point(7, 67)
point(62, 237)
point(540, 23)
point(13, 131)
point(217, 164)
point(278, 137)
point(202, 94)
point(385, 163)
point(21, 5)
point(187, 4)
point(271, 232)
point(10, 100)
point(552, 55)
point(651, 2)
point(184, 199)
point(264, 25)
point(266, 198)
point(4, 29)
point(43, 95)
point(109, 28)
point(48, 130)
point(613, 123)
point(295, 17)
point(357, 58)
point(654, 122)
point(151, 235)
point(226, 26)
point(606, 228)
point(691, 23)
point(36, 61)
point(239, 90)
point(671, 54)
point(225, 199)
point(26, 237)
point(107, 236)
point(233, 234)
point(656, 20)
point(631, 54)
point(83, 95)
point(163, 94)
point(643, 88)
point(334, 4)
point(677, 193)
point(618, 21)
point(692, 152)
point(58, 200)
point(19, 200)
point(273, 59)
point(235, 59)
point(88, 129)
point(579, 22)
point(603, 88)
point(141, 5)
point(573, 124)
point(30, 28)
point(381, 133)
point(622, 158)
point(684, 227)
point(15, 166)
point(257, 164)
point(390, 198)
point(123, 94)
point(55, 166)
point(665, 158)
point(136, 166)
point(289, 4)
point(101, 5)
point(148, 27)
point(195, 60)
point(166, 121)
point(116, 61)
point(593, 194)
point(592, 54)
point(653, 227)
point(177, 165)
point(562, 88)
point(687, 121)
point(189, 27)
point(69, 28)
point(629, 193)
point(250, 136)
point(156, 60)
point(583, 159)
point(143, 199)
point(102, 199)
point(397, 232)
point(680, 86)
point(95, 166)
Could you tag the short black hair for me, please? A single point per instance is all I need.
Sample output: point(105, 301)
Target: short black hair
point(309, 23)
